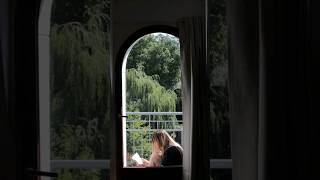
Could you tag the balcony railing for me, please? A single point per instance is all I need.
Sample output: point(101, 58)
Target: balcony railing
point(151, 124)
point(141, 125)
point(148, 122)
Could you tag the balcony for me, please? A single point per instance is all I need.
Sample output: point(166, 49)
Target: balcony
point(141, 125)
point(148, 123)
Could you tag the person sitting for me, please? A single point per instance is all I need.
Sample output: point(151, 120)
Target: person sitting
point(165, 151)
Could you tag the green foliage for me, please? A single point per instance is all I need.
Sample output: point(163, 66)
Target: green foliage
point(65, 11)
point(139, 141)
point(218, 69)
point(158, 56)
point(145, 94)
point(79, 174)
point(80, 86)
point(153, 83)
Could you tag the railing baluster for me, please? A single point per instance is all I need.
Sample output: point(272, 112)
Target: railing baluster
point(155, 124)
point(150, 128)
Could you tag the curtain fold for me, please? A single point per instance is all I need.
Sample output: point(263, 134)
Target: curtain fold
point(4, 55)
point(8, 163)
point(195, 98)
point(269, 112)
point(242, 19)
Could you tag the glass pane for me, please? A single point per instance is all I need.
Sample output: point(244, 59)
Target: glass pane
point(218, 69)
point(80, 84)
point(219, 130)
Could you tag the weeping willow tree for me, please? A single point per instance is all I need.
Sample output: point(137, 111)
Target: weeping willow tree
point(80, 87)
point(153, 85)
point(145, 94)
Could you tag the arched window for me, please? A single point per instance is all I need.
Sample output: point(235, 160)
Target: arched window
point(151, 93)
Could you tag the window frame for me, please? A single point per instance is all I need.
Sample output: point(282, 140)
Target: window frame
point(118, 123)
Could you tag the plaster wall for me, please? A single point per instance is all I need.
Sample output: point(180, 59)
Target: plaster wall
point(128, 16)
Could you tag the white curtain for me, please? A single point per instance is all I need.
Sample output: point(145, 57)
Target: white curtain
point(195, 98)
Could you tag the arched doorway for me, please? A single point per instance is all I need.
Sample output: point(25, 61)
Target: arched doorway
point(151, 93)
point(119, 128)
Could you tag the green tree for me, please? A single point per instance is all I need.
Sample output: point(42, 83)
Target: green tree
point(158, 56)
point(80, 84)
point(66, 11)
point(145, 94)
point(153, 85)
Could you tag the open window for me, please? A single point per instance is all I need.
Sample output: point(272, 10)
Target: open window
point(74, 88)
point(151, 93)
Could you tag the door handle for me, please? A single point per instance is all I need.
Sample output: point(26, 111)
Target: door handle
point(121, 116)
point(35, 172)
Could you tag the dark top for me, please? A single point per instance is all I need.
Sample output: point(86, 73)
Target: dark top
point(172, 156)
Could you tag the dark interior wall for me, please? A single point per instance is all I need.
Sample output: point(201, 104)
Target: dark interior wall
point(313, 93)
point(130, 16)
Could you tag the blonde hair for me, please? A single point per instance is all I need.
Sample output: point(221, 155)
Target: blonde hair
point(164, 140)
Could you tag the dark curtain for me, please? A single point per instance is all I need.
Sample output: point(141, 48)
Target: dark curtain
point(272, 88)
point(243, 76)
point(7, 136)
point(18, 88)
point(195, 98)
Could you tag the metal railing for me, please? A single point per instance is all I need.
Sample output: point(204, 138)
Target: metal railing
point(141, 126)
point(149, 119)
point(151, 124)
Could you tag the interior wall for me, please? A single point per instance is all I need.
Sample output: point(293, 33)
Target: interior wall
point(129, 16)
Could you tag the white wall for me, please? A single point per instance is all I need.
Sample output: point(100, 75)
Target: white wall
point(129, 16)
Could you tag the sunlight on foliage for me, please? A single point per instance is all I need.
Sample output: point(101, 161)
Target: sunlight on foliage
point(146, 95)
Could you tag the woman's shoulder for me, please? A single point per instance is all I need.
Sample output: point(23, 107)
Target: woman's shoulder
point(174, 148)
point(172, 156)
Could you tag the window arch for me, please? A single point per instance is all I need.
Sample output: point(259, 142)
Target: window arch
point(120, 79)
